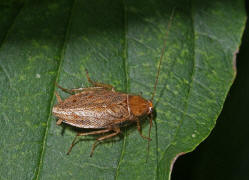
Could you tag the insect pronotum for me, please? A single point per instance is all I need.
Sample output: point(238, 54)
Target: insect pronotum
point(103, 110)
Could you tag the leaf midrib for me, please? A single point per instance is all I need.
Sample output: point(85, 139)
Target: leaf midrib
point(125, 64)
point(66, 36)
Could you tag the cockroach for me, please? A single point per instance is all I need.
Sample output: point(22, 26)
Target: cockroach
point(103, 110)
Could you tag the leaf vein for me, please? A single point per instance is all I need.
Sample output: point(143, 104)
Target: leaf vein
point(188, 93)
point(40, 163)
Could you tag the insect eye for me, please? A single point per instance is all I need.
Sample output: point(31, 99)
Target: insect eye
point(150, 110)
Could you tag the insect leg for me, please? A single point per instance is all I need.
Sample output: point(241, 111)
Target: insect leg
point(94, 132)
point(58, 97)
point(85, 134)
point(65, 90)
point(117, 131)
point(97, 84)
point(59, 121)
point(140, 132)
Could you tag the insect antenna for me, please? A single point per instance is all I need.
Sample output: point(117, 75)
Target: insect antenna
point(158, 72)
point(162, 54)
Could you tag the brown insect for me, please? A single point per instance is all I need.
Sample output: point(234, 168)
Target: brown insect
point(103, 110)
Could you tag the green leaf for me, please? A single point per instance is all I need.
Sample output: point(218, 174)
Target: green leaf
point(228, 136)
point(119, 42)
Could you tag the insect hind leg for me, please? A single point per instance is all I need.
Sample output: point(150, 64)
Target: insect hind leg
point(58, 97)
point(117, 131)
point(85, 134)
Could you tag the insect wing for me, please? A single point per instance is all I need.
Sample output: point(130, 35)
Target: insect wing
point(94, 109)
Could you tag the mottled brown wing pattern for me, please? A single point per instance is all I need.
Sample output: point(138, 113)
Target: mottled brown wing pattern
point(94, 109)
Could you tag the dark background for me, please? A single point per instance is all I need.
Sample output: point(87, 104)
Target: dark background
point(225, 153)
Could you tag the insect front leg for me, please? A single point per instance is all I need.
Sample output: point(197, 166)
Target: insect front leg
point(97, 84)
point(85, 134)
point(140, 131)
point(117, 131)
